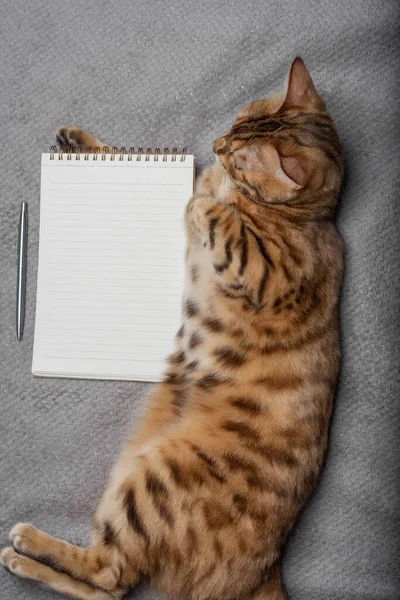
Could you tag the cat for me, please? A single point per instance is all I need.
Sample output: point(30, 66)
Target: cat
point(232, 440)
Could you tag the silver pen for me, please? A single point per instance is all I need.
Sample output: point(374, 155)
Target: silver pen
point(21, 277)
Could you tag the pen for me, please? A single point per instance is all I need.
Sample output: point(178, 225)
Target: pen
point(21, 277)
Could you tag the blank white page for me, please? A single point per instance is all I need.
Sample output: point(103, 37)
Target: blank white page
point(110, 275)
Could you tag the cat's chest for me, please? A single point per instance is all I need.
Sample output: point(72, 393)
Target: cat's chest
point(207, 321)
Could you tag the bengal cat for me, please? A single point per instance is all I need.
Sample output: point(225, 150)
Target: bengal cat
point(231, 442)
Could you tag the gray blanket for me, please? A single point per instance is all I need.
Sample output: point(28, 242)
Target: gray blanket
point(175, 73)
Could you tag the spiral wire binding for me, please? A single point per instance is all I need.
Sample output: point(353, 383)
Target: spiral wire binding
point(102, 153)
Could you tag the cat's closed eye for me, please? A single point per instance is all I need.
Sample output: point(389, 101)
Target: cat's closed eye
point(238, 164)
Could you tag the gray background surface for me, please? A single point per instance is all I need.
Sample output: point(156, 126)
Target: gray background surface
point(175, 73)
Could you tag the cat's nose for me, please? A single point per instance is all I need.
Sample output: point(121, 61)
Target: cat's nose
point(220, 146)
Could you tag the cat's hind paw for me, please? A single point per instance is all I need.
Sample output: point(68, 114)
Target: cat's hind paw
point(24, 538)
point(12, 561)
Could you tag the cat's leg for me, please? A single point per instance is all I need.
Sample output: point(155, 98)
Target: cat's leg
point(265, 594)
point(241, 262)
point(165, 400)
point(271, 588)
point(72, 137)
point(105, 564)
point(161, 410)
point(58, 563)
point(27, 568)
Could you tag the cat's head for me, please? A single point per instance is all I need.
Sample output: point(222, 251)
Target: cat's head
point(284, 148)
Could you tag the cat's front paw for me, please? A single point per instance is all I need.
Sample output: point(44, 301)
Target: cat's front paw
point(70, 137)
point(198, 213)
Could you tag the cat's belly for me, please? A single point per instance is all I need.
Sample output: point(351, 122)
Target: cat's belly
point(223, 355)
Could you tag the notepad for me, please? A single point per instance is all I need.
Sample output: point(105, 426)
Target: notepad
point(111, 254)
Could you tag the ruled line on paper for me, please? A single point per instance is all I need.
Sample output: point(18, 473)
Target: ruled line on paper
point(101, 325)
point(167, 272)
point(55, 223)
point(97, 256)
point(117, 196)
point(81, 301)
point(97, 330)
point(149, 284)
point(95, 311)
point(136, 231)
point(101, 317)
point(99, 283)
point(127, 309)
point(108, 347)
point(90, 358)
point(93, 261)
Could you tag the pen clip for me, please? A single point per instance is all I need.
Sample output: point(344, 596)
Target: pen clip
point(21, 230)
point(17, 234)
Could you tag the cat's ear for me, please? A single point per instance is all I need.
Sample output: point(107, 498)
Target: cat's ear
point(291, 170)
point(300, 92)
point(296, 169)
